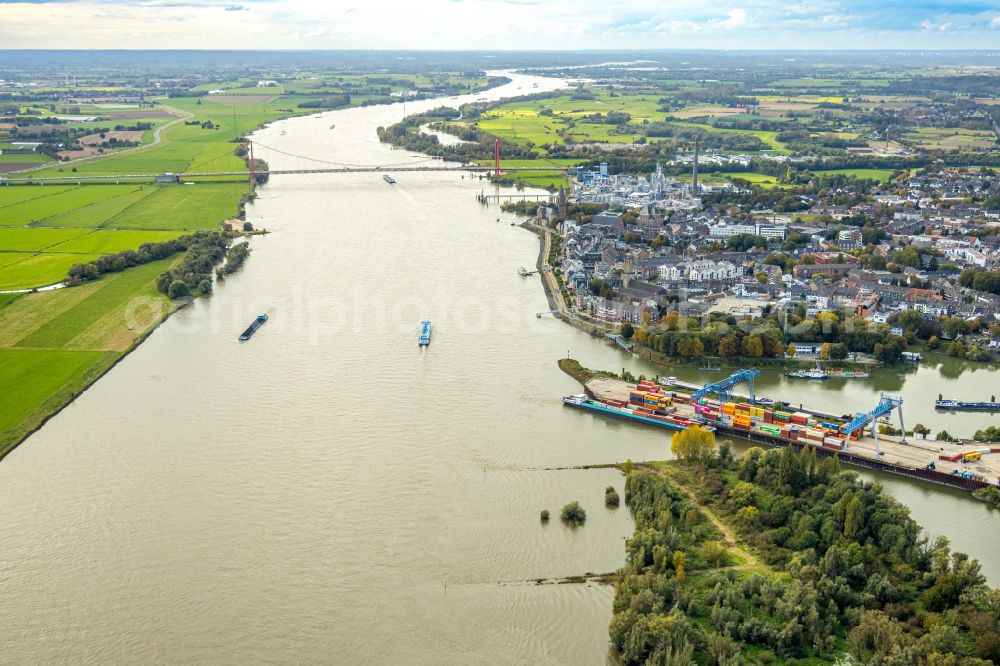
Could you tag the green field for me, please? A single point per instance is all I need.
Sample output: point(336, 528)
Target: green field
point(14, 194)
point(46, 206)
point(54, 343)
point(41, 377)
point(37, 270)
point(189, 207)
point(523, 122)
point(34, 240)
point(756, 178)
point(882, 175)
point(100, 213)
point(951, 138)
point(30, 158)
point(104, 241)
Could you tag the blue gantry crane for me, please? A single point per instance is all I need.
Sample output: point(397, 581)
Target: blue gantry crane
point(861, 420)
point(723, 389)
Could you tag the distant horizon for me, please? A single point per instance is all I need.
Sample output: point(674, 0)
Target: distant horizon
point(525, 50)
point(500, 25)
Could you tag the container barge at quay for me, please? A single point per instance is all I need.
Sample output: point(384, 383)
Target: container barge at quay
point(425, 333)
point(656, 417)
point(854, 438)
point(257, 323)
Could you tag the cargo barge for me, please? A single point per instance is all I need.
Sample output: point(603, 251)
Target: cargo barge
point(425, 333)
point(964, 406)
point(257, 323)
point(621, 409)
point(826, 435)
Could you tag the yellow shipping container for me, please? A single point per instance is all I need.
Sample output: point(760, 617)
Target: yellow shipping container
point(729, 408)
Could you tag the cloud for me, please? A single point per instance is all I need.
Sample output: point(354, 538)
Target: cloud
point(944, 26)
point(501, 24)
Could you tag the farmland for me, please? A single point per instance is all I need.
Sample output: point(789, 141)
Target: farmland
point(53, 344)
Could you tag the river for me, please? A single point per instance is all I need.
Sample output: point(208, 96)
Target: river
point(327, 491)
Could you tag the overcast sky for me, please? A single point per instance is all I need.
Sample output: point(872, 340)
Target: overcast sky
point(499, 24)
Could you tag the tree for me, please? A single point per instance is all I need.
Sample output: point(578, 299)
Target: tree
point(824, 351)
point(611, 498)
point(690, 347)
point(853, 518)
point(627, 331)
point(678, 560)
point(693, 444)
point(247, 226)
point(790, 352)
point(729, 346)
point(955, 327)
point(753, 347)
point(910, 319)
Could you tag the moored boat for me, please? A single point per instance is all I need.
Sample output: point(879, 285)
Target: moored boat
point(389, 179)
point(425, 333)
point(967, 406)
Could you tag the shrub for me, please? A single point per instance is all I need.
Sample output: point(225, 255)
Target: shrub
point(178, 289)
point(545, 515)
point(611, 498)
point(573, 514)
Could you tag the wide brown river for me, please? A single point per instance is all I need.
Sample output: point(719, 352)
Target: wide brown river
point(330, 493)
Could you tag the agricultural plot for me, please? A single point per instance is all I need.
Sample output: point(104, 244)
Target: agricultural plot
point(184, 207)
point(99, 213)
point(109, 242)
point(36, 210)
point(54, 343)
point(882, 175)
point(31, 270)
point(40, 376)
point(761, 179)
point(34, 240)
point(10, 195)
point(111, 295)
point(951, 138)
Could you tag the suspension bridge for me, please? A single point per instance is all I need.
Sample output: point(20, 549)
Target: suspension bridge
point(279, 163)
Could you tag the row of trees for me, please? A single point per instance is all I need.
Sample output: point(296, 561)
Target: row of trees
point(770, 336)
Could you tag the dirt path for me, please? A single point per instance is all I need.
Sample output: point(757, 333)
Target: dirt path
point(749, 559)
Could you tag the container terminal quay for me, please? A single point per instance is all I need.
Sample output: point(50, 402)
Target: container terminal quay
point(674, 405)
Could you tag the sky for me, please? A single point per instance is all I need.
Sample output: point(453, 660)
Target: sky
point(500, 24)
